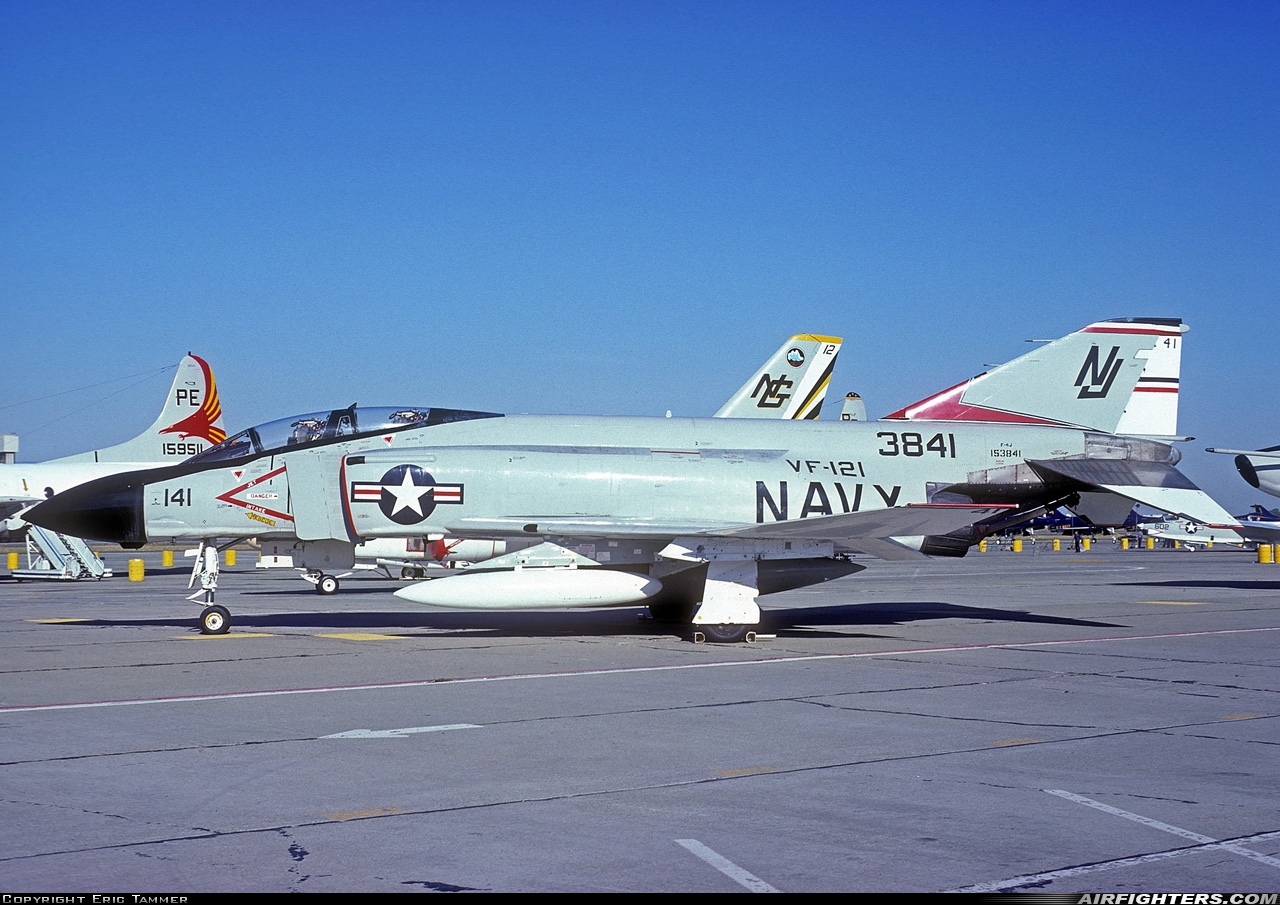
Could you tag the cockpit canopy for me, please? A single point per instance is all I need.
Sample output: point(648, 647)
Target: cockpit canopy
point(330, 427)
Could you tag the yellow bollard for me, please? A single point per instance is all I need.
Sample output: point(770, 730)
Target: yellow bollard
point(1085, 542)
point(136, 569)
point(1057, 544)
point(231, 557)
point(1265, 553)
point(1124, 543)
point(1151, 543)
point(982, 548)
point(1017, 545)
point(166, 558)
point(13, 561)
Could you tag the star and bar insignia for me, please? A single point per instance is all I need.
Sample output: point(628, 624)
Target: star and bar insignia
point(406, 494)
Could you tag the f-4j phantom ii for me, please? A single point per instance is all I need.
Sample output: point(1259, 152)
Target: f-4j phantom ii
point(689, 516)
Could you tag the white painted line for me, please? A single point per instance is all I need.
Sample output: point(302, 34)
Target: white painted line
point(1039, 879)
point(723, 664)
point(1175, 830)
point(726, 867)
point(398, 733)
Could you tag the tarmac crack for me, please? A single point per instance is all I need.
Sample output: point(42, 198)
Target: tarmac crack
point(86, 812)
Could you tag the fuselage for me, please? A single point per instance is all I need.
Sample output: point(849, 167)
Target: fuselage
point(495, 476)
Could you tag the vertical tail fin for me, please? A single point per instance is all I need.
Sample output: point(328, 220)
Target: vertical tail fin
point(1117, 376)
point(190, 422)
point(791, 384)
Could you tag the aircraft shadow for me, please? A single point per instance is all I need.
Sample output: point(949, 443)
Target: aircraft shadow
point(803, 620)
point(1239, 585)
point(807, 622)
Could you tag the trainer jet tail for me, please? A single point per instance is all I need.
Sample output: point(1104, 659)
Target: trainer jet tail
point(189, 423)
point(791, 384)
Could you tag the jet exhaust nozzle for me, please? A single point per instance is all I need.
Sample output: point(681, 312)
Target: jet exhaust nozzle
point(106, 509)
point(1247, 471)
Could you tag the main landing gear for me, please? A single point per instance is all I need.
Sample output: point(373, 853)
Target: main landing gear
point(325, 584)
point(724, 634)
point(727, 613)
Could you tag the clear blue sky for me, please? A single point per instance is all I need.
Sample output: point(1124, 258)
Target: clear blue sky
point(623, 208)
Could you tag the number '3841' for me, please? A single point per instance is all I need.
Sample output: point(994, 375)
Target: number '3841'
point(909, 443)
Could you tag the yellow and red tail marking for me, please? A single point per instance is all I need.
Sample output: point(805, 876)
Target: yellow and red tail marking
point(203, 422)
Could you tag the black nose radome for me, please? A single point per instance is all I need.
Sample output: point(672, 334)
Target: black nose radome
point(108, 509)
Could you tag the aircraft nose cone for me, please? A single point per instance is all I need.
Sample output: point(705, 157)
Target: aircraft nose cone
point(107, 509)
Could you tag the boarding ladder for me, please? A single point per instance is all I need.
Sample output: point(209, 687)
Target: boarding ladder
point(59, 557)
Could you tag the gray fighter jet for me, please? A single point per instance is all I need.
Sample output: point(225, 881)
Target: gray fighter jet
point(691, 516)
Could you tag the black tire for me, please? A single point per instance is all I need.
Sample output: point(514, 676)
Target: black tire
point(726, 634)
point(406, 572)
point(215, 620)
point(327, 585)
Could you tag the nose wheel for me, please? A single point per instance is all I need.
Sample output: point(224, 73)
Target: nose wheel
point(215, 620)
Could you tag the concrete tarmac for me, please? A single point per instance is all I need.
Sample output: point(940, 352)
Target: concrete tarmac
point(1057, 722)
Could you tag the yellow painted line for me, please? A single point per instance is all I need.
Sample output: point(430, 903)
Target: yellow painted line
point(1014, 742)
point(1245, 716)
point(1175, 602)
point(56, 621)
point(361, 636)
point(746, 771)
point(202, 637)
point(371, 812)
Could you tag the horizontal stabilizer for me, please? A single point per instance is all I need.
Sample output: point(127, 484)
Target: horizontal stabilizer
point(1153, 484)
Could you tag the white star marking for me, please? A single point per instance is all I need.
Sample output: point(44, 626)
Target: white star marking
point(408, 494)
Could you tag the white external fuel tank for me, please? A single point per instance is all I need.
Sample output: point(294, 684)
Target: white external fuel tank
point(533, 589)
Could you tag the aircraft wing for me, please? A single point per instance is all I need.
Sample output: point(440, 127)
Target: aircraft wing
point(1153, 484)
point(1262, 532)
point(867, 531)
